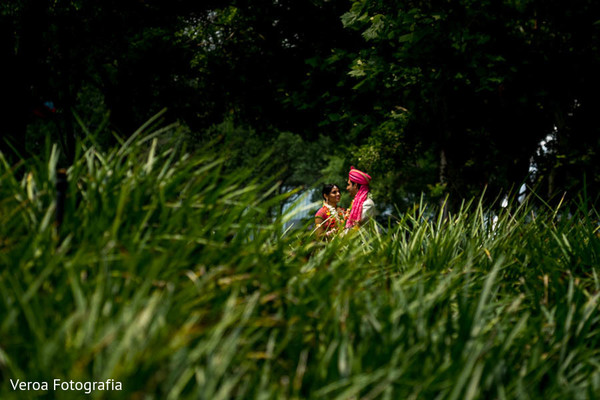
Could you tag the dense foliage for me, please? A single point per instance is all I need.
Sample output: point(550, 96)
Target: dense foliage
point(431, 97)
point(484, 83)
point(171, 274)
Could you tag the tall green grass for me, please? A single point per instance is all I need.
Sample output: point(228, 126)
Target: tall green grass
point(171, 274)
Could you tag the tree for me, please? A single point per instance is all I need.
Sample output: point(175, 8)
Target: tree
point(66, 51)
point(277, 66)
point(482, 81)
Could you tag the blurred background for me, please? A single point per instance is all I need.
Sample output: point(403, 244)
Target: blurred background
point(432, 98)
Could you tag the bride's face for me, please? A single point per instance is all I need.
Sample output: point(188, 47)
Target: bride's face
point(334, 196)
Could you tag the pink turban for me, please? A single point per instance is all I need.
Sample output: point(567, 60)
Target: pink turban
point(356, 176)
point(363, 179)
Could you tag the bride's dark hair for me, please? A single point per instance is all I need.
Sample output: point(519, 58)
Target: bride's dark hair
point(328, 188)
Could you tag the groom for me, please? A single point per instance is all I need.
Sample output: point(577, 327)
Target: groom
point(362, 207)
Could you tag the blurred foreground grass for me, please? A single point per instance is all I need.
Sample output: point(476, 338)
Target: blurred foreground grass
point(170, 275)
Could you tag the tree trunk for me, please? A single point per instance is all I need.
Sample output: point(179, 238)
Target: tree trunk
point(443, 181)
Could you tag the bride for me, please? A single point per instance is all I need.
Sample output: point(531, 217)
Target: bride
point(330, 217)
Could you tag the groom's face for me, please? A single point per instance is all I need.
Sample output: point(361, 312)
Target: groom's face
point(352, 188)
